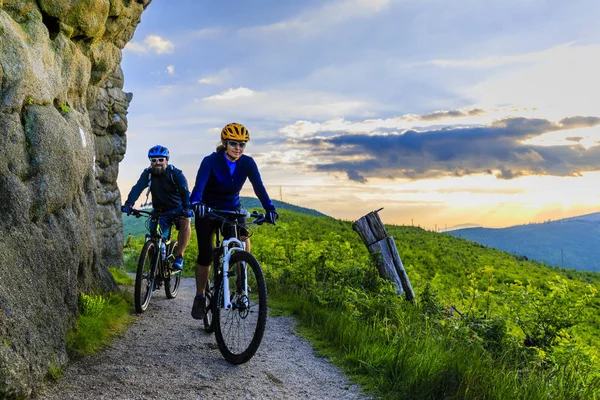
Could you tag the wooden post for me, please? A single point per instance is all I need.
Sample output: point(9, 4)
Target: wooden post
point(373, 233)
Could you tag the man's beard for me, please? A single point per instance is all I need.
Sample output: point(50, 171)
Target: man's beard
point(158, 170)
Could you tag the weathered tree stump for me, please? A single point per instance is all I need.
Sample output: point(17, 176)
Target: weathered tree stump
point(374, 235)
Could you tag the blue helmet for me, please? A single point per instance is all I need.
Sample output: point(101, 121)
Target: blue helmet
point(158, 151)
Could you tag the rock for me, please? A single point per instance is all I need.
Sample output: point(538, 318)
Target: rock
point(62, 123)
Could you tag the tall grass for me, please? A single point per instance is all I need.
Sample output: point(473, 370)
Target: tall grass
point(415, 359)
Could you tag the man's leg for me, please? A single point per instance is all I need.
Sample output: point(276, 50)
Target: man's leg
point(183, 238)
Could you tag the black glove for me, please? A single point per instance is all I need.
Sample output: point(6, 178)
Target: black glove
point(272, 217)
point(127, 208)
point(201, 210)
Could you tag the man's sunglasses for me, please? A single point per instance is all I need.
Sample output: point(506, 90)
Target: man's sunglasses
point(153, 160)
point(233, 143)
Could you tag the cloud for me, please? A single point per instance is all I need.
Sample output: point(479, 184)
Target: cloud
point(500, 148)
point(171, 70)
point(211, 80)
point(221, 77)
point(278, 105)
point(441, 115)
point(325, 17)
point(307, 128)
point(152, 43)
point(231, 94)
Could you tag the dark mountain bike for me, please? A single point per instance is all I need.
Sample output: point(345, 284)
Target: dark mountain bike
point(236, 298)
point(157, 256)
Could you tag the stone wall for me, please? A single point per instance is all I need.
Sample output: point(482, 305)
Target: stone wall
point(62, 136)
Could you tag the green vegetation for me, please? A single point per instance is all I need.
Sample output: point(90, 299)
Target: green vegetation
point(65, 108)
point(54, 372)
point(101, 317)
point(121, 277)
point(486, 324)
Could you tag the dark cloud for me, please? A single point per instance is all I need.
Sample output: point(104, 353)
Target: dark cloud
point(451, 114)
point(355, 176)
point(496, 149)
point(579, 122)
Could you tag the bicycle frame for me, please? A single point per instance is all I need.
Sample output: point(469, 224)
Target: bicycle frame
point(160, 237)
point(153, 270)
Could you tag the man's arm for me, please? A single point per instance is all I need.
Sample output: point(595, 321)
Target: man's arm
point(138, 188)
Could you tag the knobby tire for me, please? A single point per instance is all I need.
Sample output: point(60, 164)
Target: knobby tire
point(145, 276)
point(172, 280)
point(208, 319)
point(239, 330)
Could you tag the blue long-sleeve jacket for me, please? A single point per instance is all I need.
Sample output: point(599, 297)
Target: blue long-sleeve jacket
point(216, 188)
point(169, 190)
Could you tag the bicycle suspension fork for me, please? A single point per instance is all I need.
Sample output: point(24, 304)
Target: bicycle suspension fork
point(228, 251)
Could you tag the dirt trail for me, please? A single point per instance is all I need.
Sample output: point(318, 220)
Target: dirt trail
point(166, 355)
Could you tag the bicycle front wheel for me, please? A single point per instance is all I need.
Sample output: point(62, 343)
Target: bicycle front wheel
point(172, 278)
point(240, 328)
point(145, 276)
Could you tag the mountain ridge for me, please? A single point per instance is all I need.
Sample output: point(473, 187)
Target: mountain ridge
point(569, 242)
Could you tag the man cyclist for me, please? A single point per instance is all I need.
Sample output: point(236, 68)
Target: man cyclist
point(170, 192)
point(219, 181)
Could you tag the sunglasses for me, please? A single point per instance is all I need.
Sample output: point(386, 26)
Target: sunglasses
point(153, 160)
point(233, 143)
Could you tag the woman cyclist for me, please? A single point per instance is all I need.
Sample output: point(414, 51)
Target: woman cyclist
point(219, 181)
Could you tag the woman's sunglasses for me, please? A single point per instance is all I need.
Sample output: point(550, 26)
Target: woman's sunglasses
point(153, 160)
point(233, 143)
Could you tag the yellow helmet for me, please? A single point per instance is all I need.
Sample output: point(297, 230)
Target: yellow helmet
point(235, 131)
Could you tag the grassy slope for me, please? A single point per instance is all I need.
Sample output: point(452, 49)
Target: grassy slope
point(318, 268)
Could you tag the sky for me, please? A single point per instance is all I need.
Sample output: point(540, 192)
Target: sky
point(441, 112)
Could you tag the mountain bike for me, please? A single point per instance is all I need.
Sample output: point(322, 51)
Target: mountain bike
point(157, 256)
point(236, 298)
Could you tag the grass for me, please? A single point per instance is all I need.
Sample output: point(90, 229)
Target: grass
point(121, 277)
point(101, 318)
point(414, 359)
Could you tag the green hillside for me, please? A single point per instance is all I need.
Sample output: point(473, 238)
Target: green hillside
point(486, 324)
point(572, 243)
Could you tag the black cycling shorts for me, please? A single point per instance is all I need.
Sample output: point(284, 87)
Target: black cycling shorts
point(205, 233)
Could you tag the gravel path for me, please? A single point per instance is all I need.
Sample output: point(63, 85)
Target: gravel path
point(166, 355)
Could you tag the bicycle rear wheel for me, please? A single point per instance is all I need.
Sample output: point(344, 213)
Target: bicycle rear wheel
point(208, 319)
point(145, 276)
point(239, 330)
point(172, 278)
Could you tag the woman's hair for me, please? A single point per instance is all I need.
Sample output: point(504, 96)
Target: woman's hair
point(221, 146)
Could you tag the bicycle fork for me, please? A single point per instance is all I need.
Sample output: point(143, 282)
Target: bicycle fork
point(241, 279)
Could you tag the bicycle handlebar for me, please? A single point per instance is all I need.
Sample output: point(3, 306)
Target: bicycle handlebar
point(259, 218)
point(172, 213)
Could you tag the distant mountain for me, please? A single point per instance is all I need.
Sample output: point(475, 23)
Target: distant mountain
point(571, 242)
point(461, 226)
point(137, 227)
